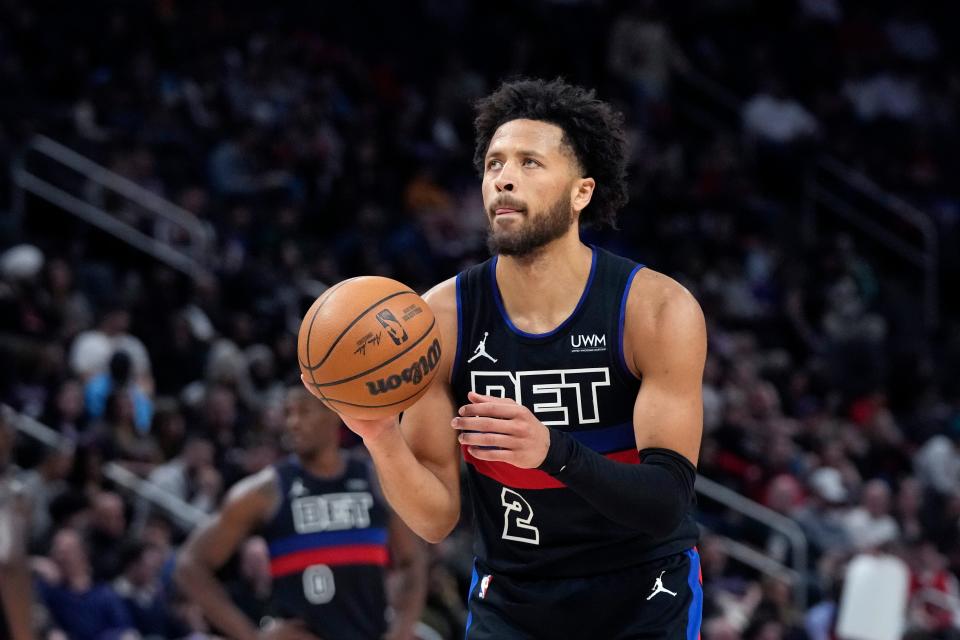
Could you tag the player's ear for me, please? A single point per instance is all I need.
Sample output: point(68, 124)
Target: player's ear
point(582, 193)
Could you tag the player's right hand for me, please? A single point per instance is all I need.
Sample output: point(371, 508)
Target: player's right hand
point(369, 430)
point(287, 630)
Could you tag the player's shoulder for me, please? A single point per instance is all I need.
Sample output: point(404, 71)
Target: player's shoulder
point(442, 298)
point(657, 303)
point(258, 490)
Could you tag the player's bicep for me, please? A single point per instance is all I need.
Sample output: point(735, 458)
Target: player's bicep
point(244, 509)
point(668, 412)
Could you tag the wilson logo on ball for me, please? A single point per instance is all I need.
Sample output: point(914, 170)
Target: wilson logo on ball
point(389, 321)
point(413, 374)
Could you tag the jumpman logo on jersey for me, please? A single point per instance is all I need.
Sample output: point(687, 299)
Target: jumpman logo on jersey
point(659, 588)
point(481, 350)
point(296, 489)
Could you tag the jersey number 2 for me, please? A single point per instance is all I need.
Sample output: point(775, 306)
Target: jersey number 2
point(517, 527)
point(318, 586)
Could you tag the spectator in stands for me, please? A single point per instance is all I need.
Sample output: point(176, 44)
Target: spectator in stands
point(68, 413)
point(191, 477)
point(774, 118)
point(119, 437)
point(822, 515)
point(909, 510)
point(79, 606)
point(108, 529)
point(65, 301)
point(91, 350)
point(43, 483)
point(252, 588)
point(643, 55)
point(143, 595)
point(118, 380)
point(870, 525)
point(937, 463)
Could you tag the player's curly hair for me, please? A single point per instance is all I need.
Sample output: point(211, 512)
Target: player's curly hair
point(591, 128)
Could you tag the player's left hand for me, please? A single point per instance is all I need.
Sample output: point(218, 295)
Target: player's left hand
point(489, 421)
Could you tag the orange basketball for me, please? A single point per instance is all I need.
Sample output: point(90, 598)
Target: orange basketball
point(369, 346)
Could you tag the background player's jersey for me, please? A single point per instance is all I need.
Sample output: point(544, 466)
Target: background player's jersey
point(573, 379)
point(328, 552)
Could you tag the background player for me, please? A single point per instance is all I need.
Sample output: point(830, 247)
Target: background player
point(560, 519)
point(330, 535)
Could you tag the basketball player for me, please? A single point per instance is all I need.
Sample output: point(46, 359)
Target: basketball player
point(330, 537)
point(544, 349)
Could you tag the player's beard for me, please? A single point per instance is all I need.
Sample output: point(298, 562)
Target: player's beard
point(532, 232)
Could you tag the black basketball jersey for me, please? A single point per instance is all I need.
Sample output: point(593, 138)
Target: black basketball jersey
point(328, 552)
point(574, 379)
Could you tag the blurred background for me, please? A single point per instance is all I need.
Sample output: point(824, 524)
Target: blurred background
point(179, 180)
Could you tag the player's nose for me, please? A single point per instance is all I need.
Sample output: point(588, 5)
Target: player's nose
point(506, 179)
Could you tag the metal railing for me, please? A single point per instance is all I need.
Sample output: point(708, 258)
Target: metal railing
point(189, 516)
point(775, 521)
point(872, 211)
point(852, 195)
point(179, 511)
point(190, 257)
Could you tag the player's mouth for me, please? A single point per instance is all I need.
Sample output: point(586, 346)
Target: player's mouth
point(502, 211)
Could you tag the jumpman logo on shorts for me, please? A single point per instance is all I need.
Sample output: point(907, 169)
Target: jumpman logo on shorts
point(659, 588)
point(481, 350)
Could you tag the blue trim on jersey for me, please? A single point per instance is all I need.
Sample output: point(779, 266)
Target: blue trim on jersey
point(695, 613)
point(473, 585)
point(322, 539)
point(607, 439)
point(455, 369)
point(563, 325)
point(623, 318)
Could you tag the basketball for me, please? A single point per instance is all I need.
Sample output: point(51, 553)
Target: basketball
point(369, 346)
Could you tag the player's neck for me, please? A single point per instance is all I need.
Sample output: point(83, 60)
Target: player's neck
point(324, 463)
point(541, 291)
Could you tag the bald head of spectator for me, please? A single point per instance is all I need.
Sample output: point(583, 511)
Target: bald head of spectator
point(784, 494)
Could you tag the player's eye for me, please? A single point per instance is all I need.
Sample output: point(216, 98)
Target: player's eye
point(494, 164)
point(530, 162)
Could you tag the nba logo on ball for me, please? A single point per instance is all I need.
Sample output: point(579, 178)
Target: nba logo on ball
point(347, 365)
point(484, 585)
point(397, 333)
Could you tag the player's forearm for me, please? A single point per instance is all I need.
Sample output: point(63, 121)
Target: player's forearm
point(418, 496)
point(202, 588)
point(651, 497)
point(410, 596)
point(15, 597)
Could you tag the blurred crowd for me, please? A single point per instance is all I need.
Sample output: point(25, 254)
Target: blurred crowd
point(330, 141)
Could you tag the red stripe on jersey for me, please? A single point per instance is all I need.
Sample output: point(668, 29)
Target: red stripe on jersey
point(517, 478)
point(340, 555)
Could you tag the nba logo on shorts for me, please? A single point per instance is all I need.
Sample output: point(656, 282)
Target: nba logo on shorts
point(484, 585)
point(389, 321)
